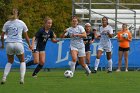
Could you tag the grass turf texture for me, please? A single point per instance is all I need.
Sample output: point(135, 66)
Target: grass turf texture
point(55, 82)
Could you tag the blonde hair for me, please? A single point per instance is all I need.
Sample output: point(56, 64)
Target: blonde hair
point(14, 14)
point(46, 19)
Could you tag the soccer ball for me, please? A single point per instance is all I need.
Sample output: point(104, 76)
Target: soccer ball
point(125, 35)
point(68, 74)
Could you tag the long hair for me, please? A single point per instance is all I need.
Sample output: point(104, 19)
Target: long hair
point(14, 14)
point(106, 19)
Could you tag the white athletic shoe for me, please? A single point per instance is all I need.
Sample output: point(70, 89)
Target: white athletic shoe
point(21, 81)
point(3, 81)
point(118, 70)
point(88, 73)
point(126, 70)
point(35, 76)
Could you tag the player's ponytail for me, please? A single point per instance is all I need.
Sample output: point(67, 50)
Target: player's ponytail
point(14, 14)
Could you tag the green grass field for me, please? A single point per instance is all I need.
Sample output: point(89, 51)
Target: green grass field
point(55, 82)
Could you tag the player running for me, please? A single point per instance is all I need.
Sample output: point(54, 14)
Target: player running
point(88, 41)
point(106, 32)
point(39, 43)
point(77, 47)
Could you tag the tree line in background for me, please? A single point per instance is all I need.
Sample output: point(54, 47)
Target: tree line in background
point(32, 12)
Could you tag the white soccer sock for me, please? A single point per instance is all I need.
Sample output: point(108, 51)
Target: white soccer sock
point(96, 64)
point(7, 70)
point(87, 69)
point(110, 65)
point(22, 70)
point(72, 66)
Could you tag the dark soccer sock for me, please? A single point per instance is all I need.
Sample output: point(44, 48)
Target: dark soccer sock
point(30, 63)
point(76, 65)
point(37, 69)
point(88, 65)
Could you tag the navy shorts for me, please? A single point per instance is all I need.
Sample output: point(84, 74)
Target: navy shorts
point(38, 50)
point(87, 48)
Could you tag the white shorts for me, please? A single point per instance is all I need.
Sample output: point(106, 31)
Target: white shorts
point(81, 51)
point(14, 48)
point(105, 48)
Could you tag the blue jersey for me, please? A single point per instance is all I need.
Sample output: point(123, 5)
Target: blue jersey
point(42, 38)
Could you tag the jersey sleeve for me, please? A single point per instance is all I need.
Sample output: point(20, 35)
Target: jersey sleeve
point(38, 33)
point(110, 30)
point(25, 29)
point(67, 33)
point(5, 27)
point(82, 29)
point(51, 34)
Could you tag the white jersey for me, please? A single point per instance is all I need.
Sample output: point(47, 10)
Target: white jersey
point(14, 29)
point(75, 41)
point(105, 40)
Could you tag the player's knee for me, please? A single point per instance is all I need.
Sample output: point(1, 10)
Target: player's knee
point(36, 61)
point(42, 63)
point(74, 59)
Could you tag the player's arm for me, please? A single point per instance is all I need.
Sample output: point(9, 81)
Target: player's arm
point(129, 37)
point(64, 34)
point(82, 35)
point(27, 39)
point(33, 41)
point(119, 37)
point(110, 35)
point(2, 39)
point(93, 37)
point(54, 40)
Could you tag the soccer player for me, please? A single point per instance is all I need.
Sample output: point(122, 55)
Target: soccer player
point(77, 46)
point(124, 38)
point(14, 28)
point(87, 41)
point(106, 32)
point(39, 43)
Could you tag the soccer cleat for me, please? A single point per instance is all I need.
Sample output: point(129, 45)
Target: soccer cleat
point(3, 81)
point(87, 73)
point(34, 76)
point(109, 71)
point(126, 70)
point(118, 70)
point(21, 82)
point(94, 71)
